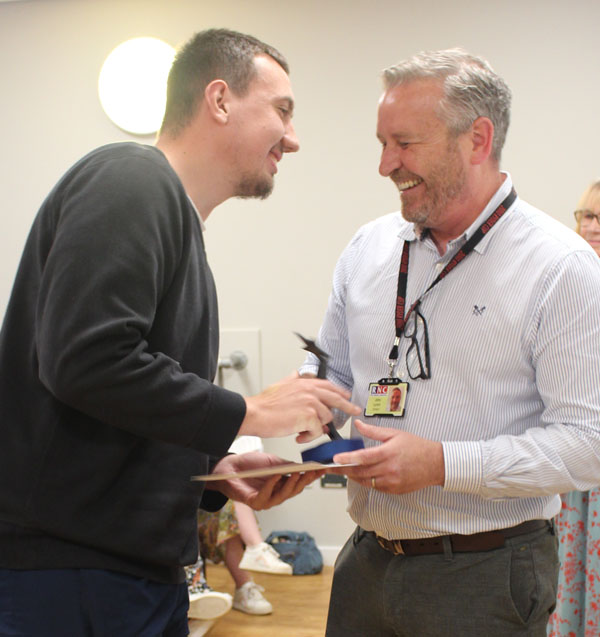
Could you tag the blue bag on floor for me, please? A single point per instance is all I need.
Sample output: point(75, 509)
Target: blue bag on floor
point(299, 550)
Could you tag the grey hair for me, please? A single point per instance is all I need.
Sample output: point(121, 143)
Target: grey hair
point(471, 89)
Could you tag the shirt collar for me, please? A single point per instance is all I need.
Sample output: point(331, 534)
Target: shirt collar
point(407, 231)
point(497, 198)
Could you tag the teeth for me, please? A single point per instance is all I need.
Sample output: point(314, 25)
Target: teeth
point(404, 185)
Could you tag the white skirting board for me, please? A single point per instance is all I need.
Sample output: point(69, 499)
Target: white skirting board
point(329, 554)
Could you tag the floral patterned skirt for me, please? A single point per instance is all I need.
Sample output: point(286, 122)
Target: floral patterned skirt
point(214, 529)
point(577, 611)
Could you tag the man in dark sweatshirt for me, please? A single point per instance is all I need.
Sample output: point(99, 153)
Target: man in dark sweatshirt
point(107, 355)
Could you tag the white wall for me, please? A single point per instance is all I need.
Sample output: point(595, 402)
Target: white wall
point(273, 260)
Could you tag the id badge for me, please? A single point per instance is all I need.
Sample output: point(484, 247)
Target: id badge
point(387, 397)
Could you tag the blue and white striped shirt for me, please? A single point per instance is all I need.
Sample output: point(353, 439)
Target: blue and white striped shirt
point(514, 396)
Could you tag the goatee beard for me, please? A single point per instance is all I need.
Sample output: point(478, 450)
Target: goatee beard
point(254, 188)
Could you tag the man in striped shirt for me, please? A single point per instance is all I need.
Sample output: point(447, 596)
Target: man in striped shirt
point(485, 313)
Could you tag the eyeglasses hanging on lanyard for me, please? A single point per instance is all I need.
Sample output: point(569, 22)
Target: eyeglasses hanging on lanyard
point(413, 325)
point(417, 356)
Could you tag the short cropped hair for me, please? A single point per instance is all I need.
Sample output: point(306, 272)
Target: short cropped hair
point(210, 55)
point(471, 89)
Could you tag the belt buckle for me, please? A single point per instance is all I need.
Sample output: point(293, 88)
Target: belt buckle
point(398, 550)
point(393, 546)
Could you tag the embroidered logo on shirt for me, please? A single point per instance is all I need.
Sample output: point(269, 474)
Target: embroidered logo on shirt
point(478, 311)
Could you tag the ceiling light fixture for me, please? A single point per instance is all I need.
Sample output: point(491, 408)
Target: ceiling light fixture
point(132, 84)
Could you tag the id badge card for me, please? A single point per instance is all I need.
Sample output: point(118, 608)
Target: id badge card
point(387, 397)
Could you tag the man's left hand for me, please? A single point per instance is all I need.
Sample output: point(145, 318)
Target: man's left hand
point(402, 463)
point(260, 493)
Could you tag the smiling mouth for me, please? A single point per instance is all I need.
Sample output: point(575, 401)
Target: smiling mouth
point(275, 158)
point(274, 161)
point(408, 184)
point(276, 153)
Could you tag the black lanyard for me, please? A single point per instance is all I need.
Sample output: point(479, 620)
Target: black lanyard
point(462, 252)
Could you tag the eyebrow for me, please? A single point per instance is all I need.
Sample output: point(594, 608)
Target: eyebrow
point(400, 137)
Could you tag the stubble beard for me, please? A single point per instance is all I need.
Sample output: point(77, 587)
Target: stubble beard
point(254, 187)
point(444, 184)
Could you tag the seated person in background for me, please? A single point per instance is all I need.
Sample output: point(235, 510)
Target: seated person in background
point(220, 541)
point(259, 556)
point(578, 600)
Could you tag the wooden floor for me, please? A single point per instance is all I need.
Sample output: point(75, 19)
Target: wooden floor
point(299, 605)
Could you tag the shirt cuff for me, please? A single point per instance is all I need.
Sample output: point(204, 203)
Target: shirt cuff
point(463, 466)
point(212, 501)
point(309, 369)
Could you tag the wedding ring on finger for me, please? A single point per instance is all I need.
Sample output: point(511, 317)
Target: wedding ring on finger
point(373, 483)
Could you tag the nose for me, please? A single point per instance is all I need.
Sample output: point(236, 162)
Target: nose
point(290, 140)
point(390, 161)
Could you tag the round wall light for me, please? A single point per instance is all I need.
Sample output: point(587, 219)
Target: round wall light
point(133, 82)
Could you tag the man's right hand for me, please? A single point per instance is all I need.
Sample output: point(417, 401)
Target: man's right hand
point(295, 405)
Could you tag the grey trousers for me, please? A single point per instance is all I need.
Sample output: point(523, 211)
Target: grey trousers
point(498, 593)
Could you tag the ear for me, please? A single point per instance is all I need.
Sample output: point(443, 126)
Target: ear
point(482, 138)
point(216, 99)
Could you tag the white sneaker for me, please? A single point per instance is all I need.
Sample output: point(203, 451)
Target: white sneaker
point(209, 604)
point(265, 559)
point(248, 598)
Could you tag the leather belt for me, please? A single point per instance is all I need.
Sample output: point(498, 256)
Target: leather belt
point(485, 541)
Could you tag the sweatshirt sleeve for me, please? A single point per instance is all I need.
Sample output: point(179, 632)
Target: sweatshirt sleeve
point(125, 296)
